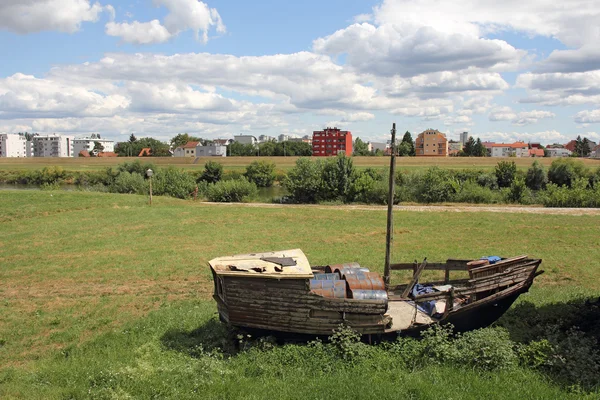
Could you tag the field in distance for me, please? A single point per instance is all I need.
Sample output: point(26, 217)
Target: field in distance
point(282, 163)
point(94, 285)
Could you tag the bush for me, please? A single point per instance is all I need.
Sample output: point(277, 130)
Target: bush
point(487, 349)
point(173, 182)
point(262, 173)
point(336, 176)
point(471, 192)
point(303, 182)
point(505, 173)
point(364, 188)
point(232, 191)
point(517, 192)
point(536, 178)
point(213, 172)
point(436, 186)
point(136, 167)
point(487, 180)
point(564, 171)
point(577, 196)
point(128, 182)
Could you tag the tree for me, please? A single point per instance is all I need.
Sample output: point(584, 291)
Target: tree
point(98, 148)
point(303, 182)
point(479, 149)
point(213, 172)
point(405, 149)
point(262, 173)
point(565, 171)
point(182, 138)
point(132, 138)
point(360, 148)
point(469, 148)
point(536, 178)
point(410, 145)
point(505, 173)
point(337, 178)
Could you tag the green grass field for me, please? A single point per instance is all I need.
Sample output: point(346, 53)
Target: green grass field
point(282, 163)
point(92, 284)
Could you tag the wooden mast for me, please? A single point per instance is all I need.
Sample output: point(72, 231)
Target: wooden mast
point(389, 238)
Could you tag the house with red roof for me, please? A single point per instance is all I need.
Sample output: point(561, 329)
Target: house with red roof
point(187, 150)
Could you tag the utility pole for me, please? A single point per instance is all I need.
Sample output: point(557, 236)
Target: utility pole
point(389, 238)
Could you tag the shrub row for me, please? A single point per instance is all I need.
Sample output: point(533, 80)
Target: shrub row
point(567, 183)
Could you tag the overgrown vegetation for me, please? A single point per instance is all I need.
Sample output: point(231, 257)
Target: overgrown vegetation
point(567, 183)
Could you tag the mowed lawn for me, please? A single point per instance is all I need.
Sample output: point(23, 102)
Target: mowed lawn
point(79, 267)
point(282, 163)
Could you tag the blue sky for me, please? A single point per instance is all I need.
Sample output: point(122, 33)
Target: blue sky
point(505, 72)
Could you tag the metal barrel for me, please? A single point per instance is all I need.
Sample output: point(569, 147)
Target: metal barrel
point(326, 277)
point(338, 267)
point(321, 284)
point(365, 281)
point(361, 294)
point(352, 271)
point(331, 289)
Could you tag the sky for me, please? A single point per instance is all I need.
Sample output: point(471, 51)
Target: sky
point(517, 70)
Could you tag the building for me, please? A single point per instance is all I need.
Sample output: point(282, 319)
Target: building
point(300, 140)
point(283, 138)
point(88, 144)
point(431, 143)
point(245, 139)
point(595, 152)
point(331, 141)
point(211, 151)
point(374, 146)
point(222, 142)
point(536, 152)
point(454, 147)
point(517, 149)
point(187, 150)
point(464, 138)
point(13, 145)
point(266, 138)
point(53, 146)
point(559, 152)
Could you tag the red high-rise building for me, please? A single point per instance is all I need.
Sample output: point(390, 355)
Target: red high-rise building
point(331, 141)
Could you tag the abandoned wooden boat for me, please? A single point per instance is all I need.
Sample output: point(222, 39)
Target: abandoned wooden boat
point(280, 292)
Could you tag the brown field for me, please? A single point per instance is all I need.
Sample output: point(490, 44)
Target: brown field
point(283, 163)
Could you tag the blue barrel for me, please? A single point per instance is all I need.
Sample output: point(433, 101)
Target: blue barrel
point(331, 289)
point(326, 277)
point(369, 294)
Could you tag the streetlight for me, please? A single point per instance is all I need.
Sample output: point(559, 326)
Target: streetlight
point(149, 174)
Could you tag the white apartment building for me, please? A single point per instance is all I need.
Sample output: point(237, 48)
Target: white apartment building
point(211, 151)
point(88, 144)
point(13, 145)
point(53, 146)
point(558, 152)
point(518, 149)
point(245, 139)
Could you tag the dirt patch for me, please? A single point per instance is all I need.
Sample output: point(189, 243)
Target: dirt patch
point(437, 208)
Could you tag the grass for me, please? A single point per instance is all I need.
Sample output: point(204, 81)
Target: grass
point(282, 163)
point(93, 283)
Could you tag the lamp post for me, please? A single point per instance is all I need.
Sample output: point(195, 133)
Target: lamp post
point(149, 174)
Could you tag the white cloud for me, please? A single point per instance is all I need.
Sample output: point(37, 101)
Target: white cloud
point(183, 15)
point(409, 49)
point(24, 95)
point(139, 32)
point(520, 118)
point(587, 117)
point(27, 16)
point(561, 88)
point(574, 23)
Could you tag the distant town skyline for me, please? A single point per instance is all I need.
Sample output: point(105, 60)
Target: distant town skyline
point(502, 72)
